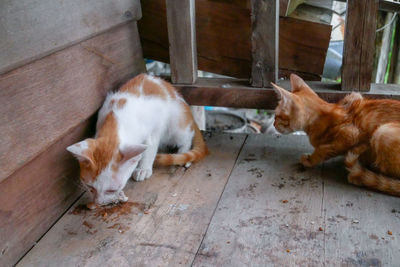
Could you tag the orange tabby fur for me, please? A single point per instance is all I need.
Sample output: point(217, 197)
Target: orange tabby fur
point(367, 131)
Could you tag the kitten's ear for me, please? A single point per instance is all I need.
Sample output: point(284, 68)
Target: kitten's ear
point(282, 94)
point(298, 83)
point(81, 151)
point(132, 152)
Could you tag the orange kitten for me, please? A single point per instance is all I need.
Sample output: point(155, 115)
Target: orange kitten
point(367, 131)
point(145, 115)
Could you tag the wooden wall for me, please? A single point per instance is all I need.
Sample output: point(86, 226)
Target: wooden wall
point(51, 102)
point(223, 30)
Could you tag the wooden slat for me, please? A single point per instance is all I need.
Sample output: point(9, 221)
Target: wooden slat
point(274, 213)
point(359, 44)
point(264, 42)
point(44, 99)
point(267, 208)
point(236, 93)
point(357, 222)
point(389, 6)
point(224, 39)
point(35, 196)
point(30, 30)
point(169, 233)
point(182, 40)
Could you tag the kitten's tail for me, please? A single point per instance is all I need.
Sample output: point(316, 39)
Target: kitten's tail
point(198, 152)
point(362, 176)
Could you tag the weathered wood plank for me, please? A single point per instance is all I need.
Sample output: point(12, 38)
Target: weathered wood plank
point(182, 40)
point(36, 195)
point(264, 42)
point(359, 42)
point(169, 233)
point(224, 39)
point(270, 211)
point(33, 29)
point(44, 99)
point(236, 93)
point(357, 222)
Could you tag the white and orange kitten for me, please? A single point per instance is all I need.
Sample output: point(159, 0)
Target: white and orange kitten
point(145, 115)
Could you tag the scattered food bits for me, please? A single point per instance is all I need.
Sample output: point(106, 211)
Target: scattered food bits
point(321, 229)
point(312, 222)
point(287, 225)
point(197, 190)
point(355, 221)
point(146, 212)
point(105, 215)
point(174, 194)
point(228, 242)
point(389, 232)
point(288, 250)
point(285, 201)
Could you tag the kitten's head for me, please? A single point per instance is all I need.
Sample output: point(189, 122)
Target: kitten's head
point(103, 170)
point(292, 114)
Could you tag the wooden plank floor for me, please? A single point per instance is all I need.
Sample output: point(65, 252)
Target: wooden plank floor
point(247, 204)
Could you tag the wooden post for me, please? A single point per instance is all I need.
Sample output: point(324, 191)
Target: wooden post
point(359, 44)
point(182, 40)
point(264, 42)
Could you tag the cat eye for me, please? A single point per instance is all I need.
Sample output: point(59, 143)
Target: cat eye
point(111, 191)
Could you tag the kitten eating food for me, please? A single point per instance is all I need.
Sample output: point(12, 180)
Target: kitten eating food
point(366, 131)
point(145, 115)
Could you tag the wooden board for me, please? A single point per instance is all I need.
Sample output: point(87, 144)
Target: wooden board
point(224, 39)
point(264, 43)
point(35, 196)
point(274, 213)
point(182, 41)
point(267, 208)
point(359, 41)
point(181, 204)
point(238, 94)
point(41, 101)
point(357, 222)
point(33, 29)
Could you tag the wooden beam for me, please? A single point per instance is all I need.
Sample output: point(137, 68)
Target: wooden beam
point(236, 93)
point(182, 40)
point(264, 42)
point(44, 99)
point(389, 6)
point(359, 44)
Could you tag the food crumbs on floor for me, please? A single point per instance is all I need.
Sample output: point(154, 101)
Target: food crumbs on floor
point(174, 194)
point(288, 250)
point(389, 232)
point(321, 229)
point(146, 212)
point(285, 201)
point(228, 242)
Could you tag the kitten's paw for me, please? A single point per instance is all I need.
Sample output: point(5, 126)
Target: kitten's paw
point(142, 174)
point(305, 160)
point(122, 197)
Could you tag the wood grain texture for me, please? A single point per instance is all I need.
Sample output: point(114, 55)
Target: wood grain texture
point(267, 208)
point(264, 42)
point(237, 93)
point(274, 213)
point(36, 195)
point(33, 29)
point(224, 39)
point(182, 40)
point(181, 206)
point(41, 101)
point(359, 44)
